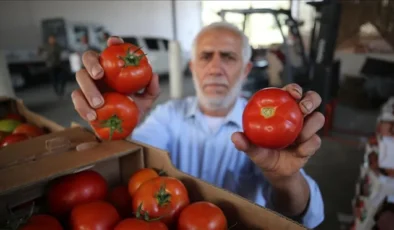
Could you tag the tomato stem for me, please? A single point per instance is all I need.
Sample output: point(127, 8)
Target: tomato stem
point(267, 112)
point(162, 196)
point(114, 123)
point(232, 226)
point(131, 59)
point(15, 222)
point(162, 172)
point(145, 215)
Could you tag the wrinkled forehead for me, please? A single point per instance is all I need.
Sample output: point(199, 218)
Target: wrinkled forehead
point(219, 40)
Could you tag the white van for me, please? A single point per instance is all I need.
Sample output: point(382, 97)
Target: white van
point(157, 52)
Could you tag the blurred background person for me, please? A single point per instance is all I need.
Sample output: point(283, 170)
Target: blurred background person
point(52, 52)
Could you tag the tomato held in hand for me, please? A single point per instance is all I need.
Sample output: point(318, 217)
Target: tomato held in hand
point(272, 119)
point(138, 224)
point(202, 216)
point(117, 118)
point(28, 129)
point(140, 177)
point(13, 138)
point(126, 68)
point(97, 215)
point(42, 221)
point(161, 197)
point(74, 189)
point(120, 198)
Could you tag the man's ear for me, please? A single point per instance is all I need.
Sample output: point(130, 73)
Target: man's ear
point(247, 69)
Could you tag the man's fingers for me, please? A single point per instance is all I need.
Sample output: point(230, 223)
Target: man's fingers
point(153, 89)
point(82, 107)
point(150, 94)
point(309, 147)
point(91, 62)
point(312, 124)
point(310, 102)
point(294, 89)
point(89, 89)
point(114, 40)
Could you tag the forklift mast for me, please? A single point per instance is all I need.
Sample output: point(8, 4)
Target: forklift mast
point(323, 71)
point(294, 30)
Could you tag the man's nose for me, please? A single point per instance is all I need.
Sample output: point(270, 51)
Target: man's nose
point(215, 65)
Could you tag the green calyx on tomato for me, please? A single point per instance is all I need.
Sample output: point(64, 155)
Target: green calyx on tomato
point(114, 124)
point(162, 196)
point(268, 112)
point(141, 214)
point(131, 59)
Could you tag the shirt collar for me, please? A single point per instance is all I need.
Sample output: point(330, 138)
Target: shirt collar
point(234, 116)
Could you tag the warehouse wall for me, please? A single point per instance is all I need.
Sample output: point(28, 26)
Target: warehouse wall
point(149, 18)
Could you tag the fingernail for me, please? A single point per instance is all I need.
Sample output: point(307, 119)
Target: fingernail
point(121, 39)
point(96, 101)
point(96, 71)
point(307, 104)
point(91, 116)
point(298, 90)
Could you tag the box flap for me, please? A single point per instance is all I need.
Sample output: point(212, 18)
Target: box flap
point(235, 207)
point(56, 162)
point(33, 148)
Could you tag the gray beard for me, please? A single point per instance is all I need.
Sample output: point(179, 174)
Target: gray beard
point(216, 103)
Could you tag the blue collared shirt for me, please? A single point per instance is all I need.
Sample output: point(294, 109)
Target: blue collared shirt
point(179, 127)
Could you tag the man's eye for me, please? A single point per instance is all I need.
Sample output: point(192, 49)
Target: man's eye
point(205, 57)
point(228, 57)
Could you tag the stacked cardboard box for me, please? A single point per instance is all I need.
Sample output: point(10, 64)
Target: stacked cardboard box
point(375, 188)
point(17, 110)
point(28, 167)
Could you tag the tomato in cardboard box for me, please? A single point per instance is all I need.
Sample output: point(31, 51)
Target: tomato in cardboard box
point(28, 173)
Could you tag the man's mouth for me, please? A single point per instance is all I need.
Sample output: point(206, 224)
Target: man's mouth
point(215, 85)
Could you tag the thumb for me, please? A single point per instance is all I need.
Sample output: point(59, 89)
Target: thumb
point(242, 143)
point(114, 40)
point(256, 154)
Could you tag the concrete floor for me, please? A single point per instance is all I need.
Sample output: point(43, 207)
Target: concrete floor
point(335, 166)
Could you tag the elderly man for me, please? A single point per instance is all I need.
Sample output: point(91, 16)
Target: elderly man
point(203, 134)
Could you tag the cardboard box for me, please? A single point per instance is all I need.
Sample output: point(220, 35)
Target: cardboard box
point(77, 149)
point(11, 105)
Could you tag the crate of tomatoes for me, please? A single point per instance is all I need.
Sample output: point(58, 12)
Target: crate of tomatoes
point(72, 180)
point(18, 123)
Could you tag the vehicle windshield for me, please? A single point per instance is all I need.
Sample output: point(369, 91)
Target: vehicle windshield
point(261, 35)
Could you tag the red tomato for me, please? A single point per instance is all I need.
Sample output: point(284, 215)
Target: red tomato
point(117, 118)
point(13, 138)
point(121, 199)
point(140, 177)
point(202, 216)
point(137, 224)
point(74, 189)
point(97, 215)
point(161, 197)
point(42, 221)
point(272, 119)
point(373, 140)
point(3, 134)
point(15, 116)
point(126, 68)
point(28, 129)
